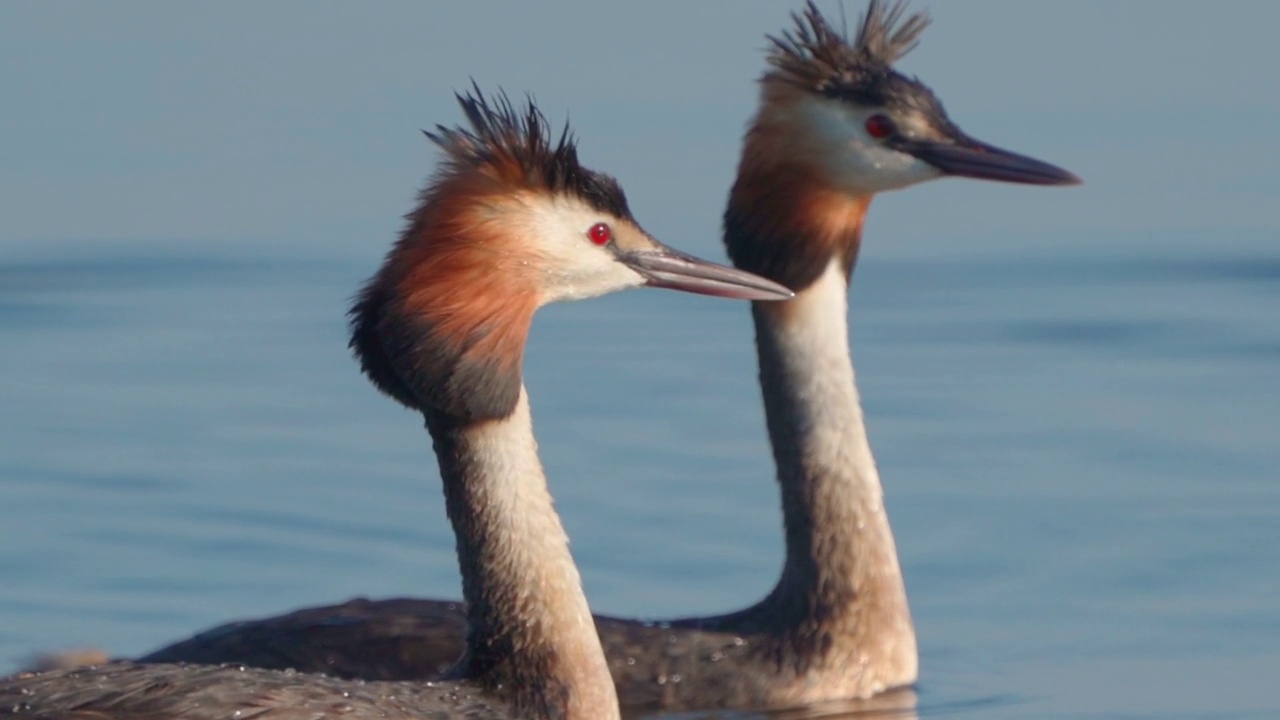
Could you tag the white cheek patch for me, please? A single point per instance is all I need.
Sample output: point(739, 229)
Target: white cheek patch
point(857, 162)
point(572, 266)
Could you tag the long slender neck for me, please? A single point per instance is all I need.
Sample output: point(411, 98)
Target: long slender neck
point(841, 565)
point(841, 594)
point(530, 635)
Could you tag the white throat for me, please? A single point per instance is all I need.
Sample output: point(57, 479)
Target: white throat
point(813, 346)
point(842, 568)
point(524, 591)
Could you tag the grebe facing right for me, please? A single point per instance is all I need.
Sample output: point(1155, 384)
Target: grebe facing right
point(510, 223)
point(836, 125)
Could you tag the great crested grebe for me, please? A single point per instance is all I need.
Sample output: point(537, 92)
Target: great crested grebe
point(511, 222)
point(836, 125)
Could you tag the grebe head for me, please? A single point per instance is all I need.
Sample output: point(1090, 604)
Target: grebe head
point(510, 222)
point(837, 104)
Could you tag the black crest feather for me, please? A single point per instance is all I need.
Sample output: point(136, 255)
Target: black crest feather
point(818, 57)
point(502, 135)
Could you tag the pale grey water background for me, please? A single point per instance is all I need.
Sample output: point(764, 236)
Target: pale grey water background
point(1072, 392)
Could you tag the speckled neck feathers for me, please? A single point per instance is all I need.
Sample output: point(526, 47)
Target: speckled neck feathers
point(530, 636)
point(841, 589)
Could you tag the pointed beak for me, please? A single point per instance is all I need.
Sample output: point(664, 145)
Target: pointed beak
point(966, 157)
point(666, 267)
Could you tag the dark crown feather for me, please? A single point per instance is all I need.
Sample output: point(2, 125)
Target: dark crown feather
point(818, 57)
point(503, 136)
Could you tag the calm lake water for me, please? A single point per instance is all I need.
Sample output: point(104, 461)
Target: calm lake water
point(1073, 394)
point(1078, 451)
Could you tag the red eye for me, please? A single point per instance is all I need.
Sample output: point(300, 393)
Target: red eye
point(879, 126)
point(600, 234)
